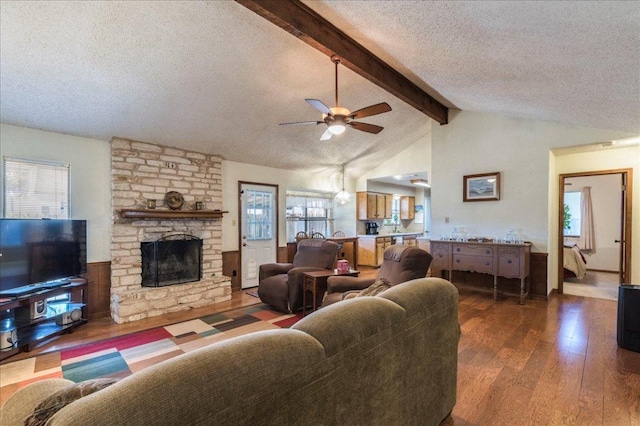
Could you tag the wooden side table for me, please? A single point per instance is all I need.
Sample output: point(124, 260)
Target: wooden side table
point(316, 283)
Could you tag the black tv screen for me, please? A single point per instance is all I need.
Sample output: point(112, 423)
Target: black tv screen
point(40, 253)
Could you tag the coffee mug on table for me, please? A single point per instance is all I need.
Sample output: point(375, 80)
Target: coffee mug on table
point(343, 266)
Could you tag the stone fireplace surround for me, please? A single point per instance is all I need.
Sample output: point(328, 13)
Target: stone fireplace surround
point(142, 171)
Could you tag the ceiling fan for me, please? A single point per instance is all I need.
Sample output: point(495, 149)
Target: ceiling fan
point(338, 118)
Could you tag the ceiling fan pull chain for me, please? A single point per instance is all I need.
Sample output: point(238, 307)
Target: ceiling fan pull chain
point(337, 62)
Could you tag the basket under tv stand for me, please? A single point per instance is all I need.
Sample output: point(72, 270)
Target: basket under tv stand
point(15, 313)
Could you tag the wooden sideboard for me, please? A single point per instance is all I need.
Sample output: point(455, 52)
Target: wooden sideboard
point(498, 259)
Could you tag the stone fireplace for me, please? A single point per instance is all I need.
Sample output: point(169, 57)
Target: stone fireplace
point(176, 259)
point(141, 172)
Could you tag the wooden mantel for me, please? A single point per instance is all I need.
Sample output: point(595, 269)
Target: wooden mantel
point(171, 214)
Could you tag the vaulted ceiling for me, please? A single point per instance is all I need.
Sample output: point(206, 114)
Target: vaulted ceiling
point(217, 78)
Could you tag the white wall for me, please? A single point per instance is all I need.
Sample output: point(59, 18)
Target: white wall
point(414, 159)
point(90, 177)
point(475, 143)
point(331, 181)
point(606, 195)
point(614, 159)
point(472, 143)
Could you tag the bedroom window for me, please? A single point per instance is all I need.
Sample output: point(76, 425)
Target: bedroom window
point(572, 214)
point(35, 189)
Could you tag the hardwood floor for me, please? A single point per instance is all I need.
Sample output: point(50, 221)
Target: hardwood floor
point(544, 363)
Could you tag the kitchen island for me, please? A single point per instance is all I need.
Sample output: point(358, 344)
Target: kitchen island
point(348, 249)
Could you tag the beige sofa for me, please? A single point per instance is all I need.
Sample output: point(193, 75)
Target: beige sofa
point(384, 360)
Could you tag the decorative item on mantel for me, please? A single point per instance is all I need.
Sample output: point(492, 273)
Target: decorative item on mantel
point(199, 205)
point(151, 204)
point(174, 200)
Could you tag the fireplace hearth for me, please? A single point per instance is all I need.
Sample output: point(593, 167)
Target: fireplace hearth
point(176, 259)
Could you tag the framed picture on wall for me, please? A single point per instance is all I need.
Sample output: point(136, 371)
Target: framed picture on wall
point(482, 187)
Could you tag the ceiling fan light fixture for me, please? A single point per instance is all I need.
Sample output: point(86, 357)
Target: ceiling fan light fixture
point(421, 182)
point(627, 141)
point(337, 128)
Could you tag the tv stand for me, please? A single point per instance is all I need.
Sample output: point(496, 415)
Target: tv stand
point(30, 289)
point(15, 314)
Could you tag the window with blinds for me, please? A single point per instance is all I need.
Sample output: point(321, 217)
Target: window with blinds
point(35, 189)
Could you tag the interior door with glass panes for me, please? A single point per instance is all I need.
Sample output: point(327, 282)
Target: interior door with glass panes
point(258, 230)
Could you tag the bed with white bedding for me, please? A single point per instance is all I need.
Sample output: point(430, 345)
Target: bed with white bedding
point(575, 265)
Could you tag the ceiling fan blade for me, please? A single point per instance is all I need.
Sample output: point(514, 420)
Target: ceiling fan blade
point(365, 127)
point(326, 135)
point(319, 106)
point(371, 110)
point(301, 122)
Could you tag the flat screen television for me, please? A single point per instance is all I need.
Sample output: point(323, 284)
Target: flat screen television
point(40, 253)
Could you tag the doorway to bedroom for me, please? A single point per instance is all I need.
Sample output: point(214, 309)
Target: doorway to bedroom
point(594, 233)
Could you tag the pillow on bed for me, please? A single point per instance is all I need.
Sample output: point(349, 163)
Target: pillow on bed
point(58, 400)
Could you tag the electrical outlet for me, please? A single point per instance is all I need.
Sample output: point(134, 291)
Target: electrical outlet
point(446, 219)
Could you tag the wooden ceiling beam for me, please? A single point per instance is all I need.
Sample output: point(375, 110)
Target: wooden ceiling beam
point(301, 21)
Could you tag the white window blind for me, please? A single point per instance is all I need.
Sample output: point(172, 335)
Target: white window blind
point(35, 189)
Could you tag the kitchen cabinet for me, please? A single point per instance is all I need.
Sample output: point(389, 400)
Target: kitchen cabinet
point(410, 240)
point(371, 250)
point(407, 207)
point(374, 206)
point(388, 206)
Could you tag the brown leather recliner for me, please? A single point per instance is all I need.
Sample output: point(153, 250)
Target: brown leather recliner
point(280, 284)
point(400, 264)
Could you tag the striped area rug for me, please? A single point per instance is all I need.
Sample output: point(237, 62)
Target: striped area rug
point(124, 355)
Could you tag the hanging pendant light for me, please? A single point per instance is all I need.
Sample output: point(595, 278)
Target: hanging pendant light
point(342, 197)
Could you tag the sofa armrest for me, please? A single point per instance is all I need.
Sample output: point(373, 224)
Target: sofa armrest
point(21, 404)
point(343, 284)
point(270, 269)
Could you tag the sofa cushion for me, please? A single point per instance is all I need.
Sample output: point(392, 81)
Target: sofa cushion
point(60, 399)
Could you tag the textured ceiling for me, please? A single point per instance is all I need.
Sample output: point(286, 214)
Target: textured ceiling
point(214, 77)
